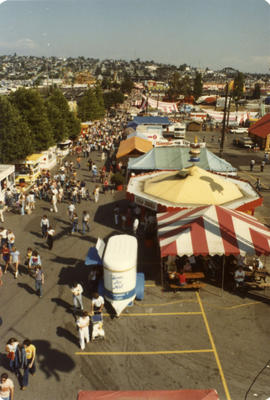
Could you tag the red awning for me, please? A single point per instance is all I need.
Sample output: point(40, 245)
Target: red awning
point(210, 230)
point(207, 394)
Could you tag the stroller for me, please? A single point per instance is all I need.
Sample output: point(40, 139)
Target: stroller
point(97, 331)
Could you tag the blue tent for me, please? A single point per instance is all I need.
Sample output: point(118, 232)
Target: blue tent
point(149, 121)
point(92, 257)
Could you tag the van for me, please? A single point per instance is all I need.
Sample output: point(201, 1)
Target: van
point(245, 142)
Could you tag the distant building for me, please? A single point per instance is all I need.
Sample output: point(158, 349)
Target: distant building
point(260, 132)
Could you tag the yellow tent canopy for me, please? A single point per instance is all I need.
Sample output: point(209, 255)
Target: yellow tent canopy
point(133, 144)
point(192, 185)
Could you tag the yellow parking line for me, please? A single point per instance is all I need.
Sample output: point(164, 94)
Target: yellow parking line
point(140, 353)
point(157, 314)
point(165, 304)
point(214, 348)
point(150, 285)
point(236, 306)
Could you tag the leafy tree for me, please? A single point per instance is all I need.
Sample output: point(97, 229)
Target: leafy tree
point(179, 86)
point(127, 85)
point(74, 126)
point(113, 98)
point(15, 143)
point(106, 83)
point(32, 108)
point(238, 86)
point(256, 91)
point(100, 100)
point(88, 106)
point(197, 85)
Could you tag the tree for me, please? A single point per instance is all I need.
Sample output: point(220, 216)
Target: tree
point(179, 86)
point(238, 86)
point(127, 85)
point(100, 100)
point(88, 106)
point(197, 86)
point(15, 143)
point(32, 109)
point(113, 98)
point(256, 91)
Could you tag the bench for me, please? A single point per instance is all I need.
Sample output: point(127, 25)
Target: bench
point(257, 285)
point(194, 285)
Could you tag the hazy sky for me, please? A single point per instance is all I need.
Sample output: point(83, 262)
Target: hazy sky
point(213, 33)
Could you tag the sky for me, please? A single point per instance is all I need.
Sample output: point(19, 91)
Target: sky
point(201, 33)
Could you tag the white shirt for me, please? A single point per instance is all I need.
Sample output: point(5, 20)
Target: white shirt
point(98, 302)
point(77, 290)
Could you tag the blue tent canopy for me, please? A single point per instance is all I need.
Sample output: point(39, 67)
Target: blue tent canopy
point(92, 257)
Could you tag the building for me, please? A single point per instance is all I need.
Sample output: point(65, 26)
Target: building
point(260, 132)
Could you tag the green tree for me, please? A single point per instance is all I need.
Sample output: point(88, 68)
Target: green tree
point(88, 106)
point(74, 126)
point(238, 86)
point(15, 142)
point(100, 100)
point(127, 85)
point(197, 86)
point(58, 114)
point(113, 98)
point(256, 91)
point(32, 109)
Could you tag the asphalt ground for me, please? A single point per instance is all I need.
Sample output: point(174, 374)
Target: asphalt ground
point(167, 341)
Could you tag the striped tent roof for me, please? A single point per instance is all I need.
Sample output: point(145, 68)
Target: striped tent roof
point(210, 230)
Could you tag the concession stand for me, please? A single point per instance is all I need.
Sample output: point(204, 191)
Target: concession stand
point(210, 231)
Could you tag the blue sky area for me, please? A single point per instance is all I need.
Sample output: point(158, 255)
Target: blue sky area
point(201, 33)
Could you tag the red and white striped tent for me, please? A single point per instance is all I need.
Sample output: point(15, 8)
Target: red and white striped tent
point(210, 230)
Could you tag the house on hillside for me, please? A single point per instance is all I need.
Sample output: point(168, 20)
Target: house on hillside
point(260, 132)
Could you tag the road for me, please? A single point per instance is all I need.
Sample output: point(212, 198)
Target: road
point(167, 341)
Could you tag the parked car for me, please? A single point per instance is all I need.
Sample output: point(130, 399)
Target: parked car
point(244, 142)
point(239, 130)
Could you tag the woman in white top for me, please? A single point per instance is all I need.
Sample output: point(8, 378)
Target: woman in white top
point(83, 325)
point(11, 347)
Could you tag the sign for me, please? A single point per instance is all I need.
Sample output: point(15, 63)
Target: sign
point(145, 203)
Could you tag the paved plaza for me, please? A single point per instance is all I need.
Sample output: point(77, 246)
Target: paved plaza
point(194, 340)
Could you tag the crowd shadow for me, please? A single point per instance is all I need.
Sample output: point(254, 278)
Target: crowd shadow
point(51, 361)
point(26, 287)
point(104, 213)
point(65, 333)
point(62, 303)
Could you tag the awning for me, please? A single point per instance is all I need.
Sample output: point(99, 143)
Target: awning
point(207, 394)
point(134, 143)
point(211, 230)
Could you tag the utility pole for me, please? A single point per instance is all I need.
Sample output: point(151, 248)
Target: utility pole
point(224, 121)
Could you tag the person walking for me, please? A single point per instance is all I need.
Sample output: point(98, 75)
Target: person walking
point(96, 194)
point(262, 165)
point(83, 323)
point(85, 222)
point(75, 223)
point(11, 347)
point(2, 209)
point(54, 203)
point(97, 304)
point(135, 226)
point(50, 235)
point(251, 164)
point(71, 210)
point(258, 185)
point(6, 388)
point(116, 214)
point(15, 261)
point(77, 290)
point(30, 353)
point(44, 224)
point(39, 280)
point(6, 256)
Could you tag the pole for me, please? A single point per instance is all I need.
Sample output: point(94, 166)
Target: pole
point(222, 280)
point(224, 122)
point(228, 113)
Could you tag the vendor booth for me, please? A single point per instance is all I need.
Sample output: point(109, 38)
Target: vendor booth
point(191, 187)
point(177, 158)
point(210, 231)
point(133, 147)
